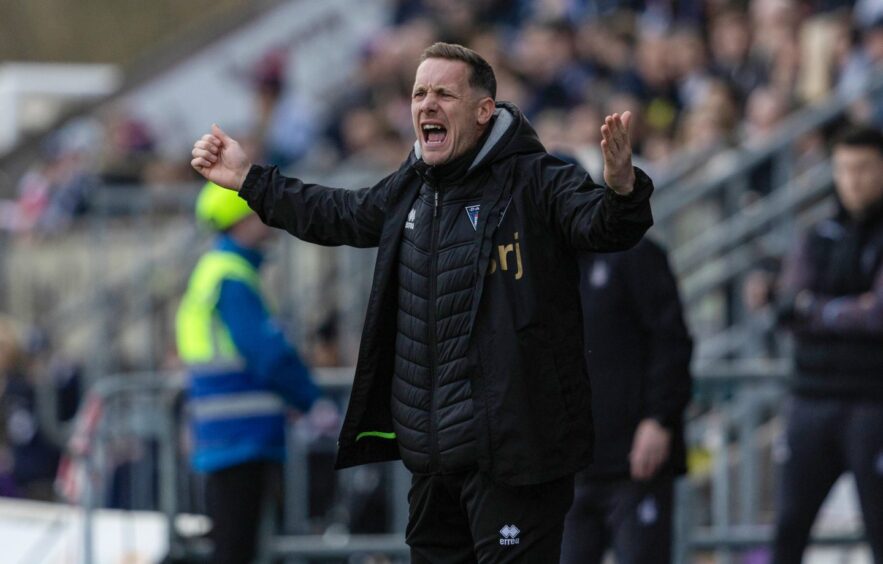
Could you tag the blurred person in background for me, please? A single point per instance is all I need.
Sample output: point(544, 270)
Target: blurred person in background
point(53, 191)
point(243, 375)
point(10, 365)
point(831, 298)
point(544, 55)
point(129, 145)
point(764, 111)
point(731, 56)
point(285, 126)
point(688, 62)
point(861, 66)
point(625, 499)
point(326, 341)
point(471, 367)
point(25, 367)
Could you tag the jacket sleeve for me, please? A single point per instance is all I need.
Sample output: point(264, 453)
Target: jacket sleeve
point(813, 313)
point(587, 216)
point(654, 292)
point(314, 213)
point(797, 270)
point(268, 355)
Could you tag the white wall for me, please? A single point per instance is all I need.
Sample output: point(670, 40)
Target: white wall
point(33, 94)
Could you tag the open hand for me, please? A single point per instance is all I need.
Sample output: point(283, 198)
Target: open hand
point(220, 158)
point(616, 147)
point(650, 449)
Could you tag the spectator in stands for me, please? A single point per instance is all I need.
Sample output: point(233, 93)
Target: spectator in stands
point(730, 43)
point(591, 52)
point(831, 297)
point(34, 455)
point(285, 126)
point(764, 111)
point(471, 367)
point(688, 63)
point(243, 373)
point(53, 191)
point(10, 364)
point(544, 55)
point(861, 67)
point(625, 499)
point(129, 146)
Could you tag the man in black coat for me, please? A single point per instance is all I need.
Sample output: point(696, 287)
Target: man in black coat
point(638, 355)
point(831, 297)
point(470, 367)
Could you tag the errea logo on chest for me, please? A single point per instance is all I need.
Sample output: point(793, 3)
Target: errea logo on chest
point(412, 216)
point(509, 535)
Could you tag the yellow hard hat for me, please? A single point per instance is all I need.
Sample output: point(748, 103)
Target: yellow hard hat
point(220, 208)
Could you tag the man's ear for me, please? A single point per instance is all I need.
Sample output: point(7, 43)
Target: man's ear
point(485, 111)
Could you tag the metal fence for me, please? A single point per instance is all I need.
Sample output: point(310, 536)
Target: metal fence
point(726, 210)
point(723, 506)
point(137, 459)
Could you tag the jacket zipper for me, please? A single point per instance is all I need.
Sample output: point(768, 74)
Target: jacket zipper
point(433, 345)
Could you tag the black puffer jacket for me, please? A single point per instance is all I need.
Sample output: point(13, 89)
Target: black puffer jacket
point(838, 268)
point(631, 303)
point(530, 391)
point(431, 395)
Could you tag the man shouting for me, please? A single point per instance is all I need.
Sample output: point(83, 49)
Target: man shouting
point(471, 365)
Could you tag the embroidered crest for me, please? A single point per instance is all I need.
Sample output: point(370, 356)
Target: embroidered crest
point(472, 212)
point(648, 511)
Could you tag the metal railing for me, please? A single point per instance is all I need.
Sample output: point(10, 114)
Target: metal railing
point(726, 510)
point(723, 509)
point(143, 411)
point(711, 263)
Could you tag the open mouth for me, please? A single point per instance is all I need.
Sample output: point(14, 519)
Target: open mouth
point(434, 134)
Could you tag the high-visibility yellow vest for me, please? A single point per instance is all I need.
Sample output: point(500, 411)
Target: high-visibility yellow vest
point(234, 418)
point(202, 338)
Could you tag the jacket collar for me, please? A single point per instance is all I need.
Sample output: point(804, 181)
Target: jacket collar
point(870, 216)
point(227, 244)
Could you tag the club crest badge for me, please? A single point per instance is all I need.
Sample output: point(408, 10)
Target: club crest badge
point(472, 213)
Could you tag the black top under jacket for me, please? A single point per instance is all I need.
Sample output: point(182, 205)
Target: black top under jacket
point(838, 266)
point(637, 353)
point(531, 398)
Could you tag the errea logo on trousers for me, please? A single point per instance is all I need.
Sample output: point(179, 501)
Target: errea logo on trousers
point(509, 534)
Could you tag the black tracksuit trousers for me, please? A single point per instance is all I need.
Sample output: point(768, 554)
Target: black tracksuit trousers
point(631, 517)
point(465, 518)
point(825, 438)
point(235, 497)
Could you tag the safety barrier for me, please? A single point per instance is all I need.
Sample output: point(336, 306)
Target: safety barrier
point(725, 508)
point(722, 506)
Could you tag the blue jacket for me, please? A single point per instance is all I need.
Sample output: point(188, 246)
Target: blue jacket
point(238, 411)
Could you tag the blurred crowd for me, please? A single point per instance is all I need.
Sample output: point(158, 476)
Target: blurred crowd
point(699, 75)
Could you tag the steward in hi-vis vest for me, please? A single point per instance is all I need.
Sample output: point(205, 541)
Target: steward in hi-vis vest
point(243, 374)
